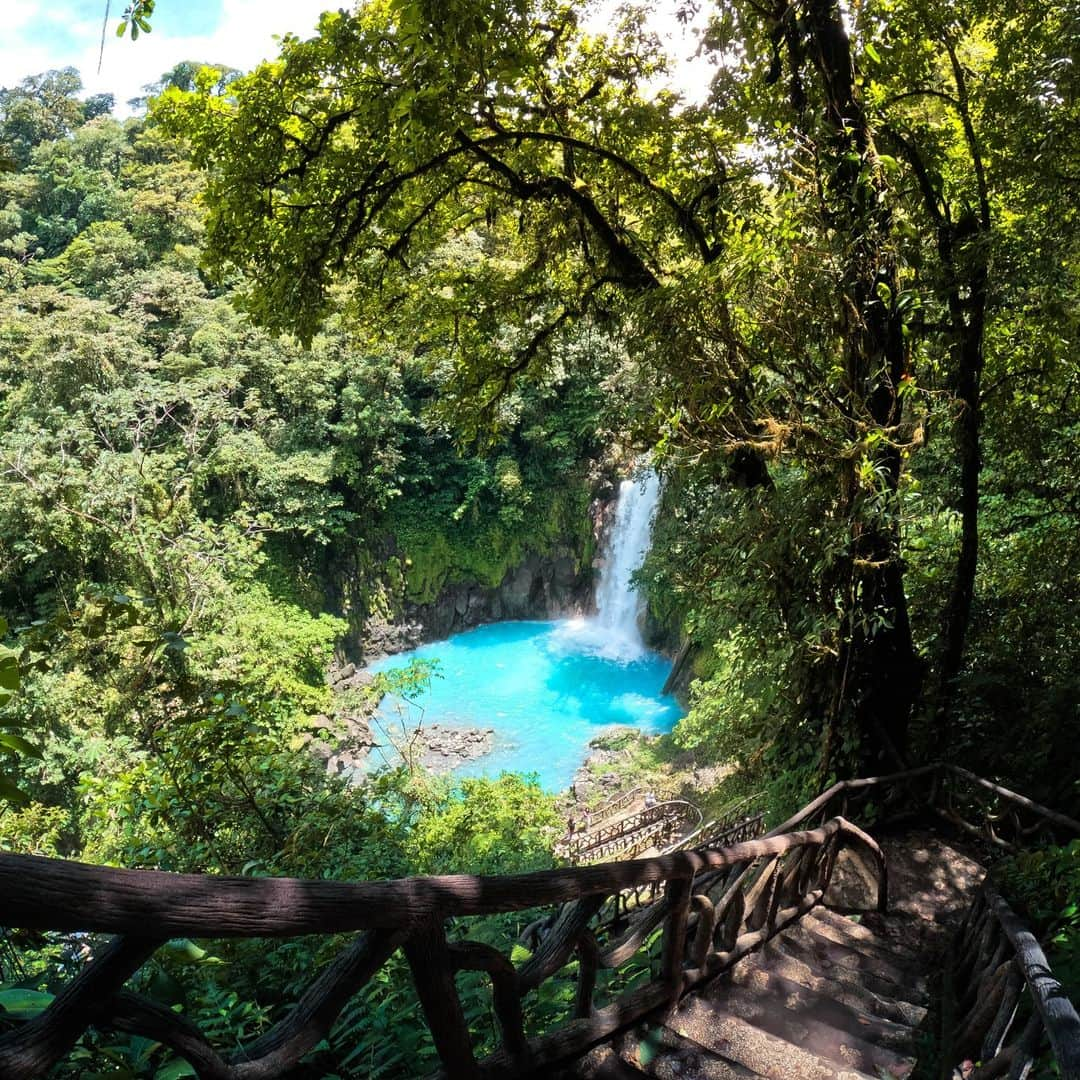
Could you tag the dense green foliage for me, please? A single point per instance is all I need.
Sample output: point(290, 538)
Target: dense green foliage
point(314, 342)
point(846, 289)
point(184, 501)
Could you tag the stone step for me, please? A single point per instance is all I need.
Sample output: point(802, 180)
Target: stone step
point(665, 1055)
point(821, 940)
point(834, 1006)
point(808, 1020)
point(870, 996)
point(819, 958)
point(601, 1063)
point(759, 1051)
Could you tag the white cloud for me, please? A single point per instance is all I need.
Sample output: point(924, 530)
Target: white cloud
point(689, 74)
point(242, 37)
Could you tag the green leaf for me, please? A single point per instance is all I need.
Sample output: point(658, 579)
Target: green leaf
point(174, 641)
point(174, 1070)
point(10, 793)
point(186, 949)
point(873, 53)
point(16, 744)
point(164, 988)
point(9, 672)
point(24, 1004)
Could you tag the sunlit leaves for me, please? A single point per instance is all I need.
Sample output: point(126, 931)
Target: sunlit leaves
point(136, 19)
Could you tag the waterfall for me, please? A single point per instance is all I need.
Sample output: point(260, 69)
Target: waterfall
point(618, 605)
point(613, 632)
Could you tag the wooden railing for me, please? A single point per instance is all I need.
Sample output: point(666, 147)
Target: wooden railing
point(1007, 1002)
point(657, 833)
point(699, 911)
point(663, 822)
point(716, 906)
point(999, 965)
point(991, 814)
point(737, 825)
point(714, 834)
point(616, 804)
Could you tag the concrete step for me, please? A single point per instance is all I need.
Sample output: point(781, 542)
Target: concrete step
point(809, 1021)
point(835, 1006)
point(821, 940)
point(759, 1051)
point(816, 954)
point(889, 934)
point(663, 1054)
point(845, 932)
point(873, 997)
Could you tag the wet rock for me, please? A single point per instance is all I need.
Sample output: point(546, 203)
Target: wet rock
point(340, 674)
point(548, 587)
point(383, 638)
point(440, 749)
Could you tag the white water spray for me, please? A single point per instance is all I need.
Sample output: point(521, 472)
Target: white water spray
point(618, 604)
point(614, 631)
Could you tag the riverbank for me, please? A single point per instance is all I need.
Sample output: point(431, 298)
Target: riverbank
point(621, 760)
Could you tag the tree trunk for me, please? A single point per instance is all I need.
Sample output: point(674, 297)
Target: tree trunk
point(877, 677)
point(965, 253)
point(964, 250)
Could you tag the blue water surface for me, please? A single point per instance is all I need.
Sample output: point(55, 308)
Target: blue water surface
point(543, 686)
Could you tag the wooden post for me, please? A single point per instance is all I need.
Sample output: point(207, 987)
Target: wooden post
point(588, 962)
point(433, 974)
point(679, 895)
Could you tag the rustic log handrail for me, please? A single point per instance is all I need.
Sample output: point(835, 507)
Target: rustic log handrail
point(675, 812)
point(626, 845)
point(722, 833)
point(39, 893)
point(706, 908)
point(701, 934)
point(942, 777)
point(613, 804)
point(996, 961)
point(991, 984)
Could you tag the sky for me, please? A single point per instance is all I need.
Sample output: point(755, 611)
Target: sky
point(36, 35)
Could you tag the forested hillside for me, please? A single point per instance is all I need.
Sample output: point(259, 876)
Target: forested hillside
point(845, 285)
point(293, 352)
point(195, 514)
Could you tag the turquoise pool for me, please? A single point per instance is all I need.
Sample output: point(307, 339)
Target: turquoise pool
point(547, 688)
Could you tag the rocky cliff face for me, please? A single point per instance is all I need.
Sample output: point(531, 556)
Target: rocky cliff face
point(542, 587)
point(560, 583)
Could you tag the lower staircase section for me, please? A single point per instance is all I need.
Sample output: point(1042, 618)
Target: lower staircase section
point(828, 999)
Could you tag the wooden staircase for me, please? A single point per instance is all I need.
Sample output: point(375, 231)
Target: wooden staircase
point(831, 997)
point(828, 999)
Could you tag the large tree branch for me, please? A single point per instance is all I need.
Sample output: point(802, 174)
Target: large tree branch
point(682, 214)
point(627, 266)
